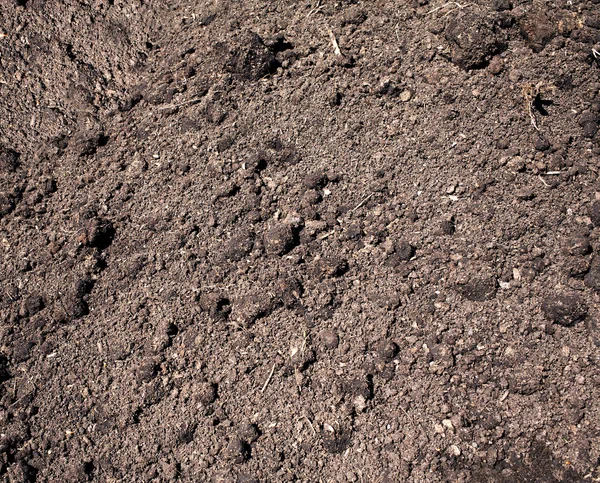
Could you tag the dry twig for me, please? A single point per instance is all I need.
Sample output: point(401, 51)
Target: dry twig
point(268, 379)
point(362, 203)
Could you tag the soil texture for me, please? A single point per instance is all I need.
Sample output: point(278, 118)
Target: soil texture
point(320, 241)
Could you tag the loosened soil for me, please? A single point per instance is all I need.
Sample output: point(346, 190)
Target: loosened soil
point(271, 241)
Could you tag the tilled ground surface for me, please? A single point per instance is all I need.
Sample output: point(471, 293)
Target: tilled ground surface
point(270, 241)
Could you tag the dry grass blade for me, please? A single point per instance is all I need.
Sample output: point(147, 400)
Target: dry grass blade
point(336, 47)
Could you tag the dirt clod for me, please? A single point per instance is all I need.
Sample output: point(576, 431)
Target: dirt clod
point(578, 246)
point(594, 213)
point(249, 308)
point(404, 250)
point(447, 227)
point(86, 143)
point(329, 339)
point(146, 371)
point(337, 442)
point(290, 290)
point(502, 5)
point(592, 277)
point(538, 29)
point(245, 478)
point(249, 433)
point(9, 160)
point(315, 180)
point(207, 392)
point(332, 267)
point(239, 246)
point(279, 239)
point(247, 56)
point(32, 305)
point(479, 288)
point(98, 233)
point(237, 451)
point(217, 305)
point(386, 350)
point(474, 40)
point(564, 309)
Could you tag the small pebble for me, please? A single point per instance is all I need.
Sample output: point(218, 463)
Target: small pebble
point(454, 450)
point(406, 96)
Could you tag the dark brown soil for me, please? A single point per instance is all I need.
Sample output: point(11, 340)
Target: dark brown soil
point(269, 241)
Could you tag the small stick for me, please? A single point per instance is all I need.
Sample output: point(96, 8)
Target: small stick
point(268, 379)
point(362, 203)
point(336, 47)
point(595, 53)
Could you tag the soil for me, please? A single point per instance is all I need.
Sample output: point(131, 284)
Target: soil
point(270, 241)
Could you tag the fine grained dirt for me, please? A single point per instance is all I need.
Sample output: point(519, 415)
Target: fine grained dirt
point(231, 252)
